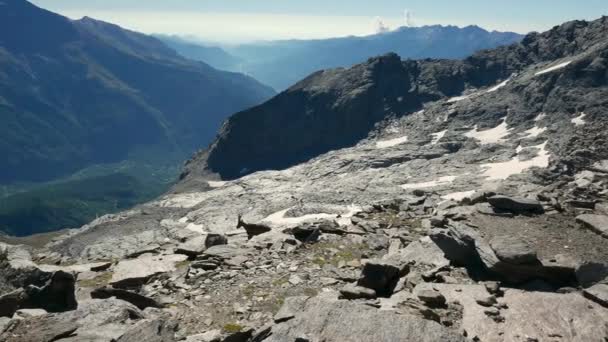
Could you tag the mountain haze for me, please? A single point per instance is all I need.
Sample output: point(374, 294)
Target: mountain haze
point(281, 64)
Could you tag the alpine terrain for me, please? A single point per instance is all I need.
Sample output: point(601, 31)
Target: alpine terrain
point(395, 200)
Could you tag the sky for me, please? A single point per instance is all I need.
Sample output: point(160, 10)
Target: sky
point(236, 21)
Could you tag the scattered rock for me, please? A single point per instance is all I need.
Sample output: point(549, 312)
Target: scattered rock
point(326, 319)
point(596, 223)
point(352, 291)
point(136, 299)
point(431, 298)
point(515, 204)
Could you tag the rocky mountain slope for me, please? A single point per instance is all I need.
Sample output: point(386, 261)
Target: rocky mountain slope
point(280, 64)
point(474, 208)
point(77, 93)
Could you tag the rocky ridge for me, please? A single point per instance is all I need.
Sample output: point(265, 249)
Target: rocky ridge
point(479, 217)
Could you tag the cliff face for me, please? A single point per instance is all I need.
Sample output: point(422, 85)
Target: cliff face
point(336, 108)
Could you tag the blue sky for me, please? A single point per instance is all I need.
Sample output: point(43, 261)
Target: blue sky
point(245, 20)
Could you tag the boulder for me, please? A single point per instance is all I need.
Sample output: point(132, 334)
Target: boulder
point(28, 313)
point(596, 223)
point(516, 205)
point(380, 276)
point(150, 330)
point(512, 249)
point(136, 272)
point(94, 320)
point(598, 293)
point(536, 315)
point(352, 291)
point(140, 301)
point(465, 247)
point(57, 295)
point(431, 298)
point(326, 319)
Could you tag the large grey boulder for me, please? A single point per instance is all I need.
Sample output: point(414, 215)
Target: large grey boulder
point(463, 246)
point(330, 320)
point(150, 330)
point(135, 272)
point(596, 223)
point(93, 321)
point(514, 250)
point(516, 205)
point(57, 295)
point(540, 316)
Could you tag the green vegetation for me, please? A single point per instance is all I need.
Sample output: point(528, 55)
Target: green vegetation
point(74, 202)
point(99, 281)
point(233, 328)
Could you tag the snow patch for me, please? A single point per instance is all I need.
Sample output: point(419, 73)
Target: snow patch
point(391, 142)
point(540, 117)
point(490, 136)
point(441, 181)
point(579, 120)
point(197, 228)
point(553, 68)
point(458, 98)
point(438, 136)
point(515, 166)
point(498, 86)
point(458, 196)
point(216, 184)
point(535, 131)
point(279, 218)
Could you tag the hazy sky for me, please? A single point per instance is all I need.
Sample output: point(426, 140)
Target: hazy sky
point(244, 20)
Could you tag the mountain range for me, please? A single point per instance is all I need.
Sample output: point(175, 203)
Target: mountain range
point(82, 96)
point(281, 64)
point(77, 93)
point(395, 200)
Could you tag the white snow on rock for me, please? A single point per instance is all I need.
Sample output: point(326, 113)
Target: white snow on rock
point(579, 120)
point(458, 196)
point(197, 228)
point(441, 181)
point(503, 170)
point(535, 131)
point(553, 68)
point(458, 98)
point(216, 184)
point(498, 86)
point(438, 136)
point(540, 117)
point(490, 136)
point(391, 142)
point(279, 219)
